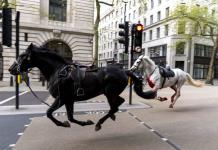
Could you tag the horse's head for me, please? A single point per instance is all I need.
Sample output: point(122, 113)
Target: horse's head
point(137, 64)
point(23, 62)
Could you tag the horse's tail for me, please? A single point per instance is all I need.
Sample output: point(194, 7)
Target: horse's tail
point(193, 82)
point(138, 87)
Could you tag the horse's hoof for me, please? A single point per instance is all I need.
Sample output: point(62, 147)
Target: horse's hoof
point(161, 99)
point(97, 127)
point(89, 122)
point(113, 117)
point(66, 124)
point(171, 106)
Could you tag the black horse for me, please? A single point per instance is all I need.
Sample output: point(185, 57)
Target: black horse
point(66, 89)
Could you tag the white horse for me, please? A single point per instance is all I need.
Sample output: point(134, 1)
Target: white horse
point(156, 81)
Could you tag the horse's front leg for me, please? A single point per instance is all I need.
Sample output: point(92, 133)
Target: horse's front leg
point(57, 104)
point(155, 89)
point(70, 111)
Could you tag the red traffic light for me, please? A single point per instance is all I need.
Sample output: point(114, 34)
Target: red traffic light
point(139, 27)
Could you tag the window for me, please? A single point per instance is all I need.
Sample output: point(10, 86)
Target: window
point(203, 50)
point(133, 2)
point(57, 10)
point(26, 37)
point(134, 14)
point(152, 4)
point(159, 2)
point(200, 71)
point(213, 12)
point(150, 34)
point(144, 36)
point(180, 48)
point(179, 64)
point(158, 32)
point(158, 51)
point(181, 27)
point(167, 12)
point(166, 30)
point(140, 11)
point(145, 22)
point(145, 7)
point(158, 16)
point(151, 19)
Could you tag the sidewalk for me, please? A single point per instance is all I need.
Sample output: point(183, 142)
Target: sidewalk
point(36, 86)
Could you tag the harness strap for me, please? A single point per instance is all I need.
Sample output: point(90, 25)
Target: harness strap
point(164, 80)
point(36, 95)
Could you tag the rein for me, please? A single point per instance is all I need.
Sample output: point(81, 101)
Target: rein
point(34, 94)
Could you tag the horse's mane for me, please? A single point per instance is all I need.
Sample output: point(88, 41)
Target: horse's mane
point(149, 60)
point(50, 53)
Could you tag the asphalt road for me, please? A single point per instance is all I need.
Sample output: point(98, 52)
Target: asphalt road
point(12, 125)
point(25, 99)
point(190, 125)
point(11, 128)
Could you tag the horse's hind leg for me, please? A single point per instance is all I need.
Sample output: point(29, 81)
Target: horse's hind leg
point(70, 110)
point(114, 107)
point(175, 89)
point(179, 86)
point(57, 104)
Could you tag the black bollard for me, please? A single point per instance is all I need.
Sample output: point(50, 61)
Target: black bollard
point(43, 82)
point(11, 81)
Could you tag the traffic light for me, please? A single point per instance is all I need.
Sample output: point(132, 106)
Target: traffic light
point(124, 35)
point(138, 37)
point(7, 27)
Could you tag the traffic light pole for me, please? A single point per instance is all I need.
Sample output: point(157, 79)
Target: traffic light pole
point(131, 61)
point(17, 54)
point(124, 22)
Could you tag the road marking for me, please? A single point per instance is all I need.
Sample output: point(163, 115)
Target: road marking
point(155, 132)
point(12, 145)
point(164, 139)
point(8, 99)
point(19, 134)
point(26, 125)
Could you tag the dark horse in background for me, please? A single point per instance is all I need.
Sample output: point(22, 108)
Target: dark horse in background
point(110, 81)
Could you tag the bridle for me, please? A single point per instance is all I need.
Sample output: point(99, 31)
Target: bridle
point(25, 80)
point(138, 63)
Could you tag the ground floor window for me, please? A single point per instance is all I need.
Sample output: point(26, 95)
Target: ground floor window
point(158, 51)
point(179, 64)
point(200, 71)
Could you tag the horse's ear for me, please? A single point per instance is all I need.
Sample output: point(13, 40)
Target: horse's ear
point(30, 48)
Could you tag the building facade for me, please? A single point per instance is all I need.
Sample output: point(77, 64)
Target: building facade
point(161, 40)
point(66, 26)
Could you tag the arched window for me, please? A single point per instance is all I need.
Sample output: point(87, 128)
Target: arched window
point(61, 48)
point(57, 10)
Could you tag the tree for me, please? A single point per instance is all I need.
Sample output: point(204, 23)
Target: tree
point(200, 22)
point(96, 26)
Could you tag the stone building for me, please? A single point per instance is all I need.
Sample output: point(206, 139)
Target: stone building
point(66, 26)
point(160, 38)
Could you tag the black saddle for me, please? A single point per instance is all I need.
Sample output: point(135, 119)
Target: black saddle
point(166, 73)
point(77, 72)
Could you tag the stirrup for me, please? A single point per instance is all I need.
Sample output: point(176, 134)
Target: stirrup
point(80, 92)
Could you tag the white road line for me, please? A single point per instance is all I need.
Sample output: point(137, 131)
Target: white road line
point(12, 145)
point(19, 134)
point(8, 99)
point(164, 139)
